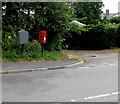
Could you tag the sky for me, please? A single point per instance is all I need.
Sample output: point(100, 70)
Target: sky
point(112, 5)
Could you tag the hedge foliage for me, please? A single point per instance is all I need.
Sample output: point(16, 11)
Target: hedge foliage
point(115, 20)
point(32, 51)
point(100, 36)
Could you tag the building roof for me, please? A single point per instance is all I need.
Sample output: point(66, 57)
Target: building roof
point(111, 15)
point(78, 23)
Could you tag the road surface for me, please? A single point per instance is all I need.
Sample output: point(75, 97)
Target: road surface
point(95, 81)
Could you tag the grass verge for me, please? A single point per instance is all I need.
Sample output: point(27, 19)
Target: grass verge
point(14, 56)
point(32, 52)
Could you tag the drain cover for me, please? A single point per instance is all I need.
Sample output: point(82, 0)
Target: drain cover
point(93, 56)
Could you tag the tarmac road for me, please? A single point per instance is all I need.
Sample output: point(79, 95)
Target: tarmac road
point(96, 81)
point(94, 59)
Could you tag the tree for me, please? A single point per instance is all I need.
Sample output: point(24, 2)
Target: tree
point(88, 12)
point(53, 17)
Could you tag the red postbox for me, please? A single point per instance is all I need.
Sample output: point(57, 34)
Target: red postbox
point(42, 36)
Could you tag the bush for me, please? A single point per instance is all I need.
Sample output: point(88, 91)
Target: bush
point(115, 20)
point(118, 36)
point(32, 51)
point(110, 31)
point(100, 36)
point(9, 38)
point(33, 46)
point(10, 55)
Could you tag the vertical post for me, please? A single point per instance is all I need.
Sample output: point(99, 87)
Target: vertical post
point(22, 48)
point(42, 48)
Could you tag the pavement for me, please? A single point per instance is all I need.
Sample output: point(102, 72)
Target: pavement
point(20, 67)
point(91, 59)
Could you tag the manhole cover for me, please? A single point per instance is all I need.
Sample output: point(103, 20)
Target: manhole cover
point(93, 56)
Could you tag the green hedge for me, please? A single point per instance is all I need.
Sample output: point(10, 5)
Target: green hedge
point(118, 36)
point(115, 20)
point(100, 36)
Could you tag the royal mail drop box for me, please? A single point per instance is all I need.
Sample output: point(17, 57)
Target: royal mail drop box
point(22, 37)
point(42, 36)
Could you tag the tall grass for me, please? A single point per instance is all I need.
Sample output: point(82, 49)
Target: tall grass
point(32, 51)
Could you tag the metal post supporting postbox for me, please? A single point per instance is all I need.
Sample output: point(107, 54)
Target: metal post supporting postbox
point(42, 47)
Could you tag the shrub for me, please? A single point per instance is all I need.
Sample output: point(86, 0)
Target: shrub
point(32, 51)
point(9, 39)
point(33, 46)
point(118, 36)
point(100, 36)
point(110, 31)
point(115, 20)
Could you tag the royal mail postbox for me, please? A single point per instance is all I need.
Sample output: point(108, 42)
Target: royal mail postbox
point(42, 36)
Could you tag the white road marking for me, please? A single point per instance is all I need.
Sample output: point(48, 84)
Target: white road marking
point(105, 95)
point(72, 100)
point(91, 97)
point(114, 93)
point(84, 67)
point(105, 63)
point(100, 96)
point(112, 64)
point(95, 97)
